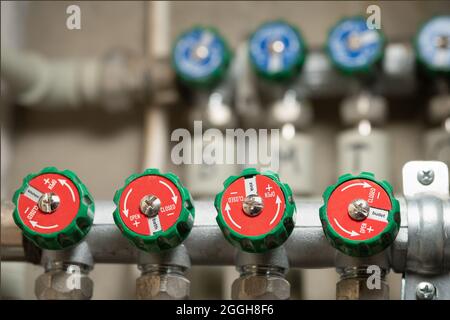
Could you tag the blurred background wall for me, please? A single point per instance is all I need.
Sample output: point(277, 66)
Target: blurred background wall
point(106, 148)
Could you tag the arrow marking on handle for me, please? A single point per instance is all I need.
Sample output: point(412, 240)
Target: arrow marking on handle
point(174, 197)
point(352, 234)
point(36, 225)
point(125, 209)
point(227, 209)
point(368, 37)
point(64, 183)
point(278, 202)
point(363, 184)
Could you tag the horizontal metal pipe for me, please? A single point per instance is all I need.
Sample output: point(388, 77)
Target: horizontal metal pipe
point(307, 247)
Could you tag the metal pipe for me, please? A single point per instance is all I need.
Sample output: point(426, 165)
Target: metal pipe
point(307, 247)
point(115, 82)
point(262, 276)
point(163, 275)
point(39, 82)
point(156, 121)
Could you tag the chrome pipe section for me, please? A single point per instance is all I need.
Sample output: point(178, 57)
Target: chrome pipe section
point(121, 80)
point(116, 82)
point(307, 247)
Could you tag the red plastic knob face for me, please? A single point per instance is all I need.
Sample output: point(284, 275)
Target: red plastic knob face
point(54, 209)
point(232, 205)
point(154, 210)
point(57, 186)
point(379, 205)
point(360, 215)
point(255, 211)
point(161, 188)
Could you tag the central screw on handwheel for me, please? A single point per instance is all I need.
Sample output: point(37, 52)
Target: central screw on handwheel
point(443, 42)
point(253, 205)
point(277, 46)
point(150, 206)
point(48, 202)
point(201, 52)
point(358, 209)
point(354, 42)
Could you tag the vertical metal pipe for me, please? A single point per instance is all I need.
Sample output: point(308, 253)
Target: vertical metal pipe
point(155, 117)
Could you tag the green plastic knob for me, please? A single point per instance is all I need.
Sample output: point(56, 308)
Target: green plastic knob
point(255, 211)
point(360, 215)
point(201, 56)
point(154, 211)
point(277, 51)
point(53, 208)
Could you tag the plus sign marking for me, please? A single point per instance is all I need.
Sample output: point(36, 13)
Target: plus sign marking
point(370, 229)
point(136, 223)
point(269, 188)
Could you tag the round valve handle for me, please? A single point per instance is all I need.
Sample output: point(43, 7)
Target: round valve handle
point(53, 208)
point(154, 210)
point(277, 50)
point(432, 44)
point(201, 56)
point(360, 216)
point(255, 211)
point(353, 47)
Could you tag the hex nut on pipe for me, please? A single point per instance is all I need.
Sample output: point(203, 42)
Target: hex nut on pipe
point(169, 286)
point(357, 289)
point(63, 285)
point(260, 287)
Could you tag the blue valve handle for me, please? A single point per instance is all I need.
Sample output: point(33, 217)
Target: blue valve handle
point(277, 50)
point(432, 44)
point(200, 56)
point(353, 47)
